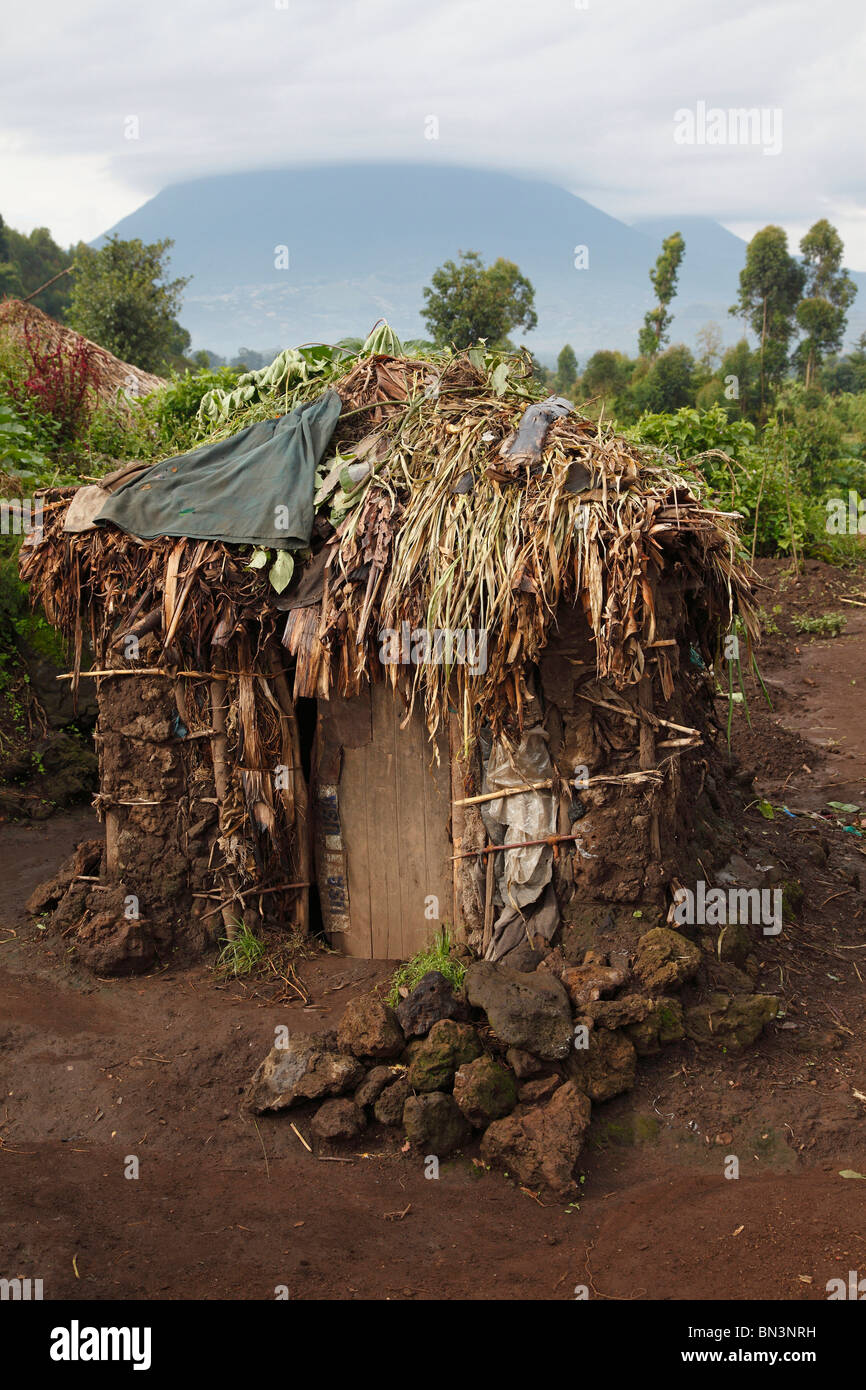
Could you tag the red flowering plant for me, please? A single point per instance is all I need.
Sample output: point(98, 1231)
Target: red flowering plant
point(59, 382)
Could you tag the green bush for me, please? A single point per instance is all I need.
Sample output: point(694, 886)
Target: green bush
point(688, 432)
point(159, 425)
point(805, 425)
point(20, 455)
point(668, 385)
point(175, 408)
point(736, 472)
point(117, 434)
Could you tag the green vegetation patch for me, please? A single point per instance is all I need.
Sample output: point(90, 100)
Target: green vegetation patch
point(436, 956)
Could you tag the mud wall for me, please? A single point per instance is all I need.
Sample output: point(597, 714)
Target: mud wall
point(649, 809)
point(157, 803)
point(157, 795)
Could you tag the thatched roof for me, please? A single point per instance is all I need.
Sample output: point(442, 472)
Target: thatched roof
point(115, 379)
point(449, 529)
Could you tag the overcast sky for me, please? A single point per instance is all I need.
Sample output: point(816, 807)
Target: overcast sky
point(583, 92)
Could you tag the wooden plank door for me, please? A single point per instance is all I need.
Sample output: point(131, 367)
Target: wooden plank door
point(386, 811)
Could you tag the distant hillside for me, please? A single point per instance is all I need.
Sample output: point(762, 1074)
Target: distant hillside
point(364, 239)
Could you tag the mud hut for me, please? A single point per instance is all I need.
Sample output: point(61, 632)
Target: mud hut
point(476, 689)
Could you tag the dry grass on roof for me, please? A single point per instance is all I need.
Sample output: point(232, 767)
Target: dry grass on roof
point(445, 532)
point(114, 377)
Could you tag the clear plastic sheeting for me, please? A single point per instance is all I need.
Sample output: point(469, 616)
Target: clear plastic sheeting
point(526, 816)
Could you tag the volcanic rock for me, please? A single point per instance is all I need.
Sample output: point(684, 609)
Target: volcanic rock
point(432, 999)
point(665, 959)
point(541, 1144)
point(369, 1028)
point(605, 1068)
point(307, 1068)
point(447, 1046)
point(662, 1024)
point(434, 1123)
point(530, 1012)
point(485, 1091)
point(541, 1088)
point(733, 1020)
point(523, 1064)
point(373, 1085)
point(338, 1121)
point(388, 1109)
point(617, 1013)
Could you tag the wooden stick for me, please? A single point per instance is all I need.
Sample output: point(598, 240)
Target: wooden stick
point(506, 791)
point(277, 888)
point(132, 615)
point(630, 714)
point(653, 774)
point(299, 785)
point(458, 819)
point(247, 893)
point(219, 745)
point(164, 802)
point(301, 1137)
point(58, 276)
point(788, 500)
point(488, 904)
point(758, 507)
point(157, 671)
point(647, 750)
point(647, 754)
point(518, 844)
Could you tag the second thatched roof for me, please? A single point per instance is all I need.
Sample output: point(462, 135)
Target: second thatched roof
point(115, 380)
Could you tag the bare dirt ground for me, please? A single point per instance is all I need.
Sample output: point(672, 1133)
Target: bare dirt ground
point(92, 1072)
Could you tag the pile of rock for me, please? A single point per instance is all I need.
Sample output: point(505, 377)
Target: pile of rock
point(517, 1057)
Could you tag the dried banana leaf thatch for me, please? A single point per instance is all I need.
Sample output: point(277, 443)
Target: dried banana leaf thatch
point(424, 520)
point(447, 533)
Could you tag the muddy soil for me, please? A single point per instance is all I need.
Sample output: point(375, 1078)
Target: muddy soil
point(95, 1072)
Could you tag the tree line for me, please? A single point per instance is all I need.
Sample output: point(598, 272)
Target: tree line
point(797, 310)
point(122, 296)
point(119, 295)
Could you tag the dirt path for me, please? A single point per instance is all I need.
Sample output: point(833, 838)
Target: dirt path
point(817, 685)
point(93, 1073)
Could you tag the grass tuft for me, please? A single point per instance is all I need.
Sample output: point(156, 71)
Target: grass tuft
point(240, 953)
point(436, 956)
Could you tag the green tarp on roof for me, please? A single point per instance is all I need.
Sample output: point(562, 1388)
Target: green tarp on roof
point(255, 488)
